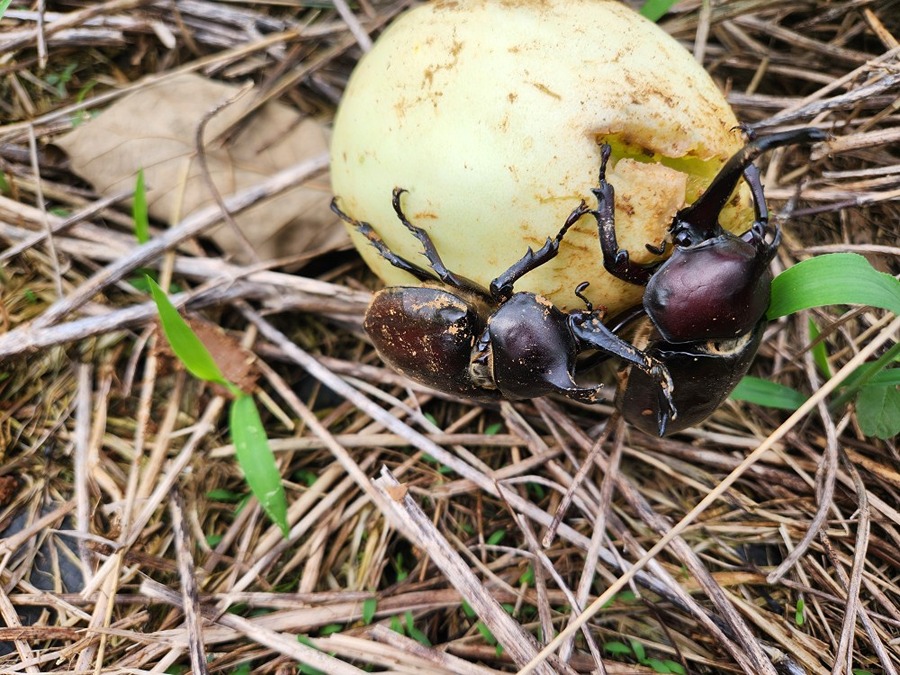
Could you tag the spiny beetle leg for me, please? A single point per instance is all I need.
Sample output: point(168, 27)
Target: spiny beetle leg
point(615, 260)
point(591, 333)
point(430, 252)
point(502, 287)
point(366, 230)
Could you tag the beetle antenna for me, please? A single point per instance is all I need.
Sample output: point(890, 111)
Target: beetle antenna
point(579, 293)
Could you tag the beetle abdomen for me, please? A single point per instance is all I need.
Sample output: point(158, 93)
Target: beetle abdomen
point(705, 373)
point(426, 334)
point(713, 291)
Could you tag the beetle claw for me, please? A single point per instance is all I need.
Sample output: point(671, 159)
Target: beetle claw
point(662, 421)
point(658, 249)
point(665, 406)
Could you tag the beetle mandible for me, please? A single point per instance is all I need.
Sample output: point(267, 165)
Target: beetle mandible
point(703, 311)
point(454, 335)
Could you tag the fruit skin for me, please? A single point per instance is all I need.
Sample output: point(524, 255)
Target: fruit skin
point(490, 114)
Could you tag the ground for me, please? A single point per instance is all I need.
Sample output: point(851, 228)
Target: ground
point(130, 542)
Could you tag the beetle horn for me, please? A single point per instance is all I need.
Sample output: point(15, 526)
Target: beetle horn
point(701, 218)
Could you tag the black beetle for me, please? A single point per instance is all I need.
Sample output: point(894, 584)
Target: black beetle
point(452, 334)
point(706, 303)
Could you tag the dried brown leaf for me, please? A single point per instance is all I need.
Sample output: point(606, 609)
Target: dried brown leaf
point(155, 129)
point(237, 363)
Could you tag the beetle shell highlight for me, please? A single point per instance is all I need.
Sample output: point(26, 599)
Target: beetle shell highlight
point(715, 290)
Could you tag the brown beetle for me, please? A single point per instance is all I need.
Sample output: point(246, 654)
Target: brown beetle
point(456, 336)
point(703, 312)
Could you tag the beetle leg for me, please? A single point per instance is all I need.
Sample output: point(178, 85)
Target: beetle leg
point(615, 259)
point(430, 252)
point(751, 175)
point(592, 334)
point(574, 392)
point(366, 230)
point(502, 287)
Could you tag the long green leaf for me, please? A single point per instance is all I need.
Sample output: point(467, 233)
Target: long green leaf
point(656, 9)
point(369, 607)
point(251, 445)
point(878, 410)
point(184, 342)
point(819, 353)
point(4, 5)
point(834, 279)
point(257, 461)
point(770, 394)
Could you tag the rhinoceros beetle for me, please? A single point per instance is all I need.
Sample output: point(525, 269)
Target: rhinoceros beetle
point(454, 335)
point(703, 312)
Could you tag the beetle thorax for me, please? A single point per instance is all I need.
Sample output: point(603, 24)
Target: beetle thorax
point(718, 289)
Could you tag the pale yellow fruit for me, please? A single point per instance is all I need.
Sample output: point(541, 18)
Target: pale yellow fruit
point(490, 114)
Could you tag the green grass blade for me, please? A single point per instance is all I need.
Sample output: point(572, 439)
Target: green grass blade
point(184, 342)
point(4, 5)
point(819, 353)
point(770, 394)
point(304, 668)
point(639, 652)
point(257, 460)
point(656, 9)
point(617, 648)
point(878, 372)
point(139, 211)
point(370, 606)
point(885, 378)
point(834, 279)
